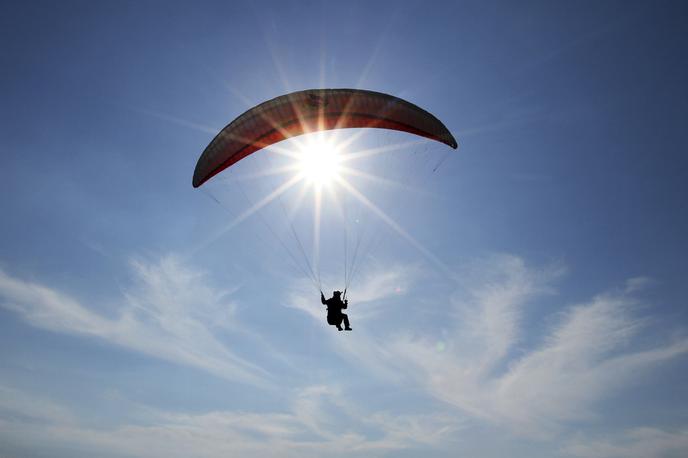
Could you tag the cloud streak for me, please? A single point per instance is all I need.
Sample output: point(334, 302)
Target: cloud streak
point(315, 425)
point(480, 362)
point(584, 356)
point(634, 443)
point(171, 313)
point(484, 364)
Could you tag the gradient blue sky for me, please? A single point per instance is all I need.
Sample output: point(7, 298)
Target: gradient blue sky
point(540, 309)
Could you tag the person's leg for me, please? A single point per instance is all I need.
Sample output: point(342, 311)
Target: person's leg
point(333, 319)
point(346, 321)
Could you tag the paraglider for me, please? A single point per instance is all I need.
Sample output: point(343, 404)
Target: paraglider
point(309, 111)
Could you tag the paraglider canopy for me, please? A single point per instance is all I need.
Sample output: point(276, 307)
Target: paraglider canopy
point(314, 110)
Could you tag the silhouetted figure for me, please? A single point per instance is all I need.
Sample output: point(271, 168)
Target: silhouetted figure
point(335, 305)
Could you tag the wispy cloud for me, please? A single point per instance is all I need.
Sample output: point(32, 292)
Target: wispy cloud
point(171, 312)
point(31, 408)
point(479, 360)
point(379, 282)
point(369, 303)
point(633, 443)
point(315, 425)
point(584, 356)
point(482, 358)
point(382, 282)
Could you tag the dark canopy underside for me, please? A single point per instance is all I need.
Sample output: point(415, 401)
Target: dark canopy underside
point(309, 111)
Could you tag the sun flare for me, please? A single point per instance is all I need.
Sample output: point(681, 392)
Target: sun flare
point(319, 160)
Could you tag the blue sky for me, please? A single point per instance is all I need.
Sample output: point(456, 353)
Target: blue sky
point(528, 300)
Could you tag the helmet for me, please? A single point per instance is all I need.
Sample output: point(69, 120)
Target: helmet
point(337, 293)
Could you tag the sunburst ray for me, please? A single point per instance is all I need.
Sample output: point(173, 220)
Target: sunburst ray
point(395, 226)
point(378, 150)
point(250, 211)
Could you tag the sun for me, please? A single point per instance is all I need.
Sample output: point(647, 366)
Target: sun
point(319, 160)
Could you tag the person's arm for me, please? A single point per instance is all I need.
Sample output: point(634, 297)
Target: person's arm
point(346, 303)
point(322, 298)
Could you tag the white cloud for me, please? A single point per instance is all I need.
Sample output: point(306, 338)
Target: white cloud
point(481, 363)
point(171, 313)
point(371, 299)
point(32, 408)
point(476, 359)
point(587, 354)
point(634, 443)
point(48, 308)
point(382, 282)
point(376, 284)
point(307, 429)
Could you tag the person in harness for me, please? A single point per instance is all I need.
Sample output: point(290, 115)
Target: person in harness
point(335, 305)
